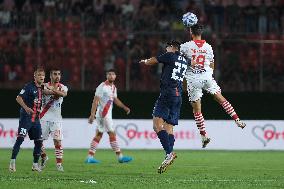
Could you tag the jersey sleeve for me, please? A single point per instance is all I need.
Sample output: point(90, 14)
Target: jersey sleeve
point(64, 88)
point(164, 58)
point(210, 54)
point(115, 93)
point(184, 50)
point(99, 90)
point(24, 92)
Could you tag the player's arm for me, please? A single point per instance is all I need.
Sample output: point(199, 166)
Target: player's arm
point(211, 65)
point(94, 109)
point(54, 91)
point(121, 105)
point(20, 101)
point(150, 61)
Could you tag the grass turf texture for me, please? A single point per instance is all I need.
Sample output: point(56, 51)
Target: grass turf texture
point(192, 169)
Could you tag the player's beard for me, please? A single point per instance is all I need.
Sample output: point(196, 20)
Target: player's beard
point(111, 80)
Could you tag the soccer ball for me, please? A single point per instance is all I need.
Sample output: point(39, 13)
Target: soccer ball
point(189, 19)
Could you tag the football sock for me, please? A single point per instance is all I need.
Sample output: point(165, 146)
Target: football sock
point(16, 147)
point(114, 145)
point(164, 139)
point(37, 150)
point(94, 144)
point(58, 154)
point(199, 120)
point(229, 109)
point(171, 141)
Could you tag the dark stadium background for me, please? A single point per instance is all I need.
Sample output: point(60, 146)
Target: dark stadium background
point(84, 38)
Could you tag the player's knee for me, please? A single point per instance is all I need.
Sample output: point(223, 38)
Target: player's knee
point(57, 142)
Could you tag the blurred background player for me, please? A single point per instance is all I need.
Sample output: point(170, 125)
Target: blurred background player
point(167, 108)
point(199, 77)
point(30, 98)
point(51, 119)
point(106, 94)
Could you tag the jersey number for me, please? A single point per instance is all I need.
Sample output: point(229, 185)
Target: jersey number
point(179, 71)
point(200, 59)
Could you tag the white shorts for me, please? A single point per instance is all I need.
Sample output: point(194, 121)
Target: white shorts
point(51, 128)
point(196, 85)
point(104, 124)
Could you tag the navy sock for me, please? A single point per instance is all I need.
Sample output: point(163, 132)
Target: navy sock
point(16, 147)
point(164, 139)
point(37, 150)
point(171, 141)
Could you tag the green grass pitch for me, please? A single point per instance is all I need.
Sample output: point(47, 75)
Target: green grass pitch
point(192, 169)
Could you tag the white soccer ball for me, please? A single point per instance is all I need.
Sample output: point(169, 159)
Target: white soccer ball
point(189, 19)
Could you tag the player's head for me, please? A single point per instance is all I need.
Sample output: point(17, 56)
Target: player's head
point(55, 75)
point(172, 46)
point(196, 30)
point(110, 74)
point(39, 75)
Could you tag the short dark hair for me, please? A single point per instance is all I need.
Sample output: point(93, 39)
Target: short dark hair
point(54, 69)
point(174, 43)
point(197, 29)
point(39, 69)
point(111, 70)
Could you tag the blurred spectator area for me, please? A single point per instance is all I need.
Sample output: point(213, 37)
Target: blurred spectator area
point(86, 37)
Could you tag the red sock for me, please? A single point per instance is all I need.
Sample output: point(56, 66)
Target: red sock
point(229, 109)
point(114, 145)
point(93, 147)
point(199, 120)
point(58, 154)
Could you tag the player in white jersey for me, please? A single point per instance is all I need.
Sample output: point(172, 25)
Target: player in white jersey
point(51, 119)
point(105, 96)
point(199, 77)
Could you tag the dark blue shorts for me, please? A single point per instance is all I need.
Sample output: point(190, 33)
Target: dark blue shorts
point(168, 108)
point(33, 129)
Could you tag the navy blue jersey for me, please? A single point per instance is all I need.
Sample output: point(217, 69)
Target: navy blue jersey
point(32, 96)
point(173, 73)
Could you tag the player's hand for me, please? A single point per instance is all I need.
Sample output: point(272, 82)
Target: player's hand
point(48, 86)
point(127, 110)
point(29, 110)
point(193, 63)
point(143, 61)
point(91, 119)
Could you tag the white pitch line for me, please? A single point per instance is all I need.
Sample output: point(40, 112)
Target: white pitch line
point(228, 180)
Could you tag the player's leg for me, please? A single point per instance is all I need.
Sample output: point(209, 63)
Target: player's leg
point(215, 90)
point(108, 123)
point(35, 133)
point(200, 123)
point(24, 126)
point(170, 131)
point(229, 109)
point(58, 154)
point(95, 142)
point(174, 106)
point(160, 113)
point(57, 136)
point(167, 113)
point(194, 89)
point(45, 125)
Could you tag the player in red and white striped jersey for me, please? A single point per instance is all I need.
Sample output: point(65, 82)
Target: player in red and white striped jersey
point(51, 119)
point(199, 77)
point(105, 96)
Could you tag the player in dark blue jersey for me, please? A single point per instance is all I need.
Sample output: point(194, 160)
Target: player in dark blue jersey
point(30, 99)
point(167, 108)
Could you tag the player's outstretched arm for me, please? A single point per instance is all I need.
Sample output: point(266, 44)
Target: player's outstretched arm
point(150, 61)
point(20, 100)
point(56, 91)
point(94, 109)
point(121, 105)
